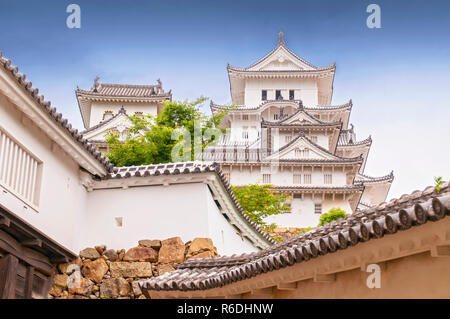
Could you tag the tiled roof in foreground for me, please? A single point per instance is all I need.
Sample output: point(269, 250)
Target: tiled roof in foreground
point(408, 211)
point(57, 117)
point(192, 167)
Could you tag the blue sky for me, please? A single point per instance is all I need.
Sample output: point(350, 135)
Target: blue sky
point(397, 76)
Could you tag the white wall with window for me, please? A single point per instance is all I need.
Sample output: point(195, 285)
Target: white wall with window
point(55, 198)
point(304, 89)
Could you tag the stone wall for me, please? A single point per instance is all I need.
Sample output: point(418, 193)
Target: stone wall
point(106, 273)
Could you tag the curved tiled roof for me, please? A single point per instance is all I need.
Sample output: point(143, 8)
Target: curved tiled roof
point(124, 90)
point(215, 106)
point(362, 179)
point(317, 70)
point(343, 142)
point(57, 117)
point(186, 168)
point(408, 211)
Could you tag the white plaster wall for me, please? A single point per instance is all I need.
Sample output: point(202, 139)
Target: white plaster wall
point(302, 213)
point(99, 108)
point(158, 212)
point(225, 237)
point(62, 198)
point(304, 89)
point(151, 212)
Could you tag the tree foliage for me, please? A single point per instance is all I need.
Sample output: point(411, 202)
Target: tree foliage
point(333, 214)
point(260, 201)
point(152, 140)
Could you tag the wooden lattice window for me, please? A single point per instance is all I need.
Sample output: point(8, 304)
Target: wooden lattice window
point(318, 208)
point(307, 178)
point(20, 170)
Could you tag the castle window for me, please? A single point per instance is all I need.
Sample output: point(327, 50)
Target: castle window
point(298, 152)
point(305, 153)
point(267, 178)
point(318, 208)
point(245, 117)
point(264, 95)
point(275, 117)
point(327, 178)
point(278, 95)
point(245, 132)
point(297, 179)
point(314, 138)
point(291, 95)
point(307, 179)
point(107, 115)
point(288, 138)
point(20, 170)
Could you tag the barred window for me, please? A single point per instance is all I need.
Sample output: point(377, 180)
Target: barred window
point(20, 171)
point(291, 95)
point(307, 178)
point(327, 178)
point(264, 95)
point(314, 138)
point(318, 208)
point(278, 95)
point(305, 153)
point(297, 178)
point(287, 138)
point(245, 117)
point(245, 132)
point(267, 178)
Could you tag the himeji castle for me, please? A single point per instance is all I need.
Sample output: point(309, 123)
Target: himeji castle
point(283, 130)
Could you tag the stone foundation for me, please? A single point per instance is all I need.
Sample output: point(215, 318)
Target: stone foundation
point(101, 273)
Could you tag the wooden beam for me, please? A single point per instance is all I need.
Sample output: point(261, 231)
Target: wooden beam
point(324, 277)
point(8, 274)
point(29, 282)
point(287, 286)
point(32, 243)
point(4, 222)
point(440, 251)
point(262, 291)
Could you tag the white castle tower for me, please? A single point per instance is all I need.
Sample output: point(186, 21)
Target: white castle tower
point(106, 107)
point(284, 131)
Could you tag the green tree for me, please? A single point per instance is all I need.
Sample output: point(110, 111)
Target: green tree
point(333, 214)
point(152, 140)
point(260, 201)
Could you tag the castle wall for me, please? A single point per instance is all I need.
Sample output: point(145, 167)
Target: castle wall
point(61, 197)
point(304, 89)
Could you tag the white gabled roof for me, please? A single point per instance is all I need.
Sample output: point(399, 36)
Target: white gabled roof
point(316, 152)
point(99, 131)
